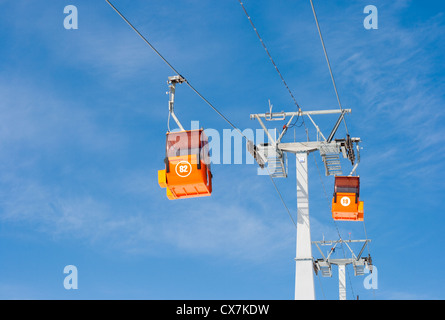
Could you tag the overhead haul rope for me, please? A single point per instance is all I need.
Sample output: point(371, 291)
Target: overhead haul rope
point(199, 94)
point(176, 71)
point(281, 197)
point(328, 62)
point(273, 62)
point(290, 93)
point(303, 123)
point(335, 223)
point(267, 51)
point(341, 108)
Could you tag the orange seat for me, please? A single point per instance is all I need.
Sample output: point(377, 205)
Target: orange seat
point(187, 165)
point(346, 204)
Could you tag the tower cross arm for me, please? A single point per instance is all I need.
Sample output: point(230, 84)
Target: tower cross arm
point(309, 146)
point(282, 115)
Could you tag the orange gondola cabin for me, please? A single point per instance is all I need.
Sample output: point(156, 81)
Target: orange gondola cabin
point(346, 204)
point(187, 165)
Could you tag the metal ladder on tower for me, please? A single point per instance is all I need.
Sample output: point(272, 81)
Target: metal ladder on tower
point(277, 164)
point(332, 163)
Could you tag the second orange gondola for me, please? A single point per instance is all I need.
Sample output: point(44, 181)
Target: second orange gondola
point(346, 204)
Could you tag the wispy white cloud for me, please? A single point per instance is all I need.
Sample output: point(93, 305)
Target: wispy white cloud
point(406, 295)
point(389, 77)
point(384, 88)
point(35, 116)
point(213, 229)
point(14, 291)
point(37, 121)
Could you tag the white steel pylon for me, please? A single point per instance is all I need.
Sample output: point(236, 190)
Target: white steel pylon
point(304, 279)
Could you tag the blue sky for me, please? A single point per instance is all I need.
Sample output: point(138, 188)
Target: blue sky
point(82, 133)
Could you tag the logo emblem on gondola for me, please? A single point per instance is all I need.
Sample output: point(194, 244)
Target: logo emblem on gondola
point(345, 201)
point(183, 168)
